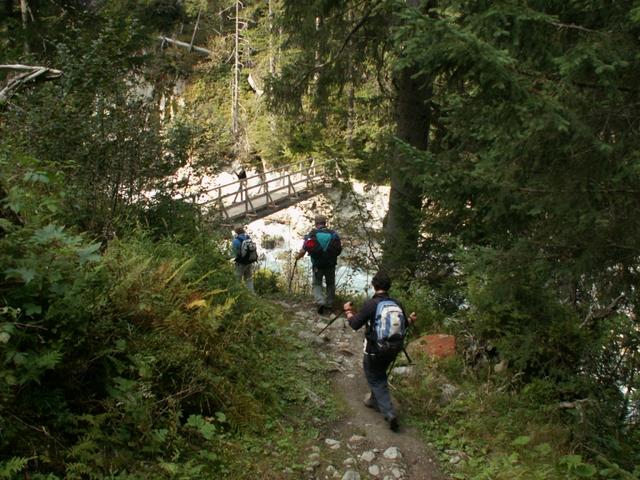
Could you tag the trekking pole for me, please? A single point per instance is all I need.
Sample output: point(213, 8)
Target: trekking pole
point(293, 271)
point(406, 354)
point(332, 320)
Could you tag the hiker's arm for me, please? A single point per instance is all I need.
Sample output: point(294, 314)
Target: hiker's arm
point(357, 319)
point(302, 251)
point(411, 318)
point(235, 247)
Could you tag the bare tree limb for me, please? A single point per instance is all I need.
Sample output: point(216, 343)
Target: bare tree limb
point(573, 26)
point(29, 73)
point(189, 47)
point(254, 86)
point(603, 312)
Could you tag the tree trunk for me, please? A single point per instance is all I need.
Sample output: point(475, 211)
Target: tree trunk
point(272, 67)
point(236, 73)
point(24, 10)
point(402, 226)
point(413, 120)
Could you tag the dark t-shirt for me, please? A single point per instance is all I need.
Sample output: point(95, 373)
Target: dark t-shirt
point(367, 316)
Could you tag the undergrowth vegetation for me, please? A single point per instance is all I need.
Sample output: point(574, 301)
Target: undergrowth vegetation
point(485, 428)
point(138, 359)
point(510, 403)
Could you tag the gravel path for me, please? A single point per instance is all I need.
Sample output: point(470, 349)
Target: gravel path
point(360, 445)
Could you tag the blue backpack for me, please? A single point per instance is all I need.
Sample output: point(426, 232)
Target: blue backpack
point(390, 326)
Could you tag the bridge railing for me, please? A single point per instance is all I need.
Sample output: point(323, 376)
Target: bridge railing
point(248, 195)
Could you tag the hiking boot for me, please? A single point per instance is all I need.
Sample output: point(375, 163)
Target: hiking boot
point(320, 309)
point(370, 401)
point(393, 423)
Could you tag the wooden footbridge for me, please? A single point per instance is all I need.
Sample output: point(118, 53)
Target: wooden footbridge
point(261, 195)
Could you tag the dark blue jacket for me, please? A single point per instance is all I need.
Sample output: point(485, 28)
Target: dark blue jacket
point(237, 243)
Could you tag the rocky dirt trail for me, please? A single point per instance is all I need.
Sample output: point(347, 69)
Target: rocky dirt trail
point(360, 445)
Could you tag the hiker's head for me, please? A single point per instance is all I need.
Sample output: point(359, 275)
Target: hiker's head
point(381, 281)
point(239, 230)
point(320, 221)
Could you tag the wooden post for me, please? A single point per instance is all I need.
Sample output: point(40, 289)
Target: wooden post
point(223, 209)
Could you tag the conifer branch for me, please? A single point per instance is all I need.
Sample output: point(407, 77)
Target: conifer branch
point(334, 58)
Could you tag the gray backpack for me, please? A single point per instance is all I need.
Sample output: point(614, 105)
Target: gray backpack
point(248, 252)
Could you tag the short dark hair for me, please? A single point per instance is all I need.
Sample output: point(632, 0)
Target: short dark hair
point(320, 220)
point(381, 281)
point(239, 230)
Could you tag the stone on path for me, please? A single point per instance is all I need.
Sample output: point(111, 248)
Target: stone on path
point(351, 475)
point(392, 453)
point(397, 472)
point(333, 444)
point(368, 456)
point(374, 470)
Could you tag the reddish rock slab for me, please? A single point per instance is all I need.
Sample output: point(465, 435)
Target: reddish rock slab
point(435, 346)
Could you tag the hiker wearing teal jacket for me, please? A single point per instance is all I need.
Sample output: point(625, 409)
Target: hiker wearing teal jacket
point(323, 246)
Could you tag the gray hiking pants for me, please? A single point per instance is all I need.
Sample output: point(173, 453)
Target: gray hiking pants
point(245, 272)
point(329, 275)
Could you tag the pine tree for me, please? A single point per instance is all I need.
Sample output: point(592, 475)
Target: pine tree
point(352, 44)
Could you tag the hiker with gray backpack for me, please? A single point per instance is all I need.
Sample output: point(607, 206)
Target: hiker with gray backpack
point(246, 254)
point(323, 246)
point(386, 324)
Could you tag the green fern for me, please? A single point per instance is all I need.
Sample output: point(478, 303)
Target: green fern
point(13, 466)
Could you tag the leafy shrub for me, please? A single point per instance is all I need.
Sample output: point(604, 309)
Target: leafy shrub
point(267, 282)
point(137, 360)
point(165, 216)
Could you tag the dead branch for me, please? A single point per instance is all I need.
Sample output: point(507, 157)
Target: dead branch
point(575, 404)
point(29, 73)
point(189, 47)
point(610, 309)
point(573, 26)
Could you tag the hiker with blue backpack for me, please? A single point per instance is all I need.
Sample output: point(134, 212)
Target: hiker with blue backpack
point(323, 246)
point(246, 254)
point(385, 325)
